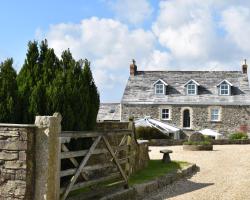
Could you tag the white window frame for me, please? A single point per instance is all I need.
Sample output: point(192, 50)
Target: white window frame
point(191, 87)
point(217, 114)
point(194, 90)
point(166, 113)
point(224, 87)
point(157, 90)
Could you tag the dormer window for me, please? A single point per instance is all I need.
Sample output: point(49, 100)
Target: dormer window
point(191, 87)
point(160, 87)
point(224, 87)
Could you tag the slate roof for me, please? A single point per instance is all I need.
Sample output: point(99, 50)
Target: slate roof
point(140, 88)
point(109, 112)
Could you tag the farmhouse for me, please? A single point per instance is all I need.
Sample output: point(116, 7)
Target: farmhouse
point(191, 100)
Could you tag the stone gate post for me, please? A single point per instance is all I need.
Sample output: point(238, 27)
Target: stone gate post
point(47, 179)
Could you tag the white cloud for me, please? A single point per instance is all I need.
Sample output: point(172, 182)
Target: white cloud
point(185, 28)
point(107, 42)
point(203, 33)
point(134, 12)
point(236, 22)
point(158, 60)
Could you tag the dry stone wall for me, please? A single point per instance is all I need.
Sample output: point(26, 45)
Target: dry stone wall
point(16, 161)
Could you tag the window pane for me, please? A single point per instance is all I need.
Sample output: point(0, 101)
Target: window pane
point(191, 89)
point(165, 113)
point(159, 89)
point(224, 89)
point(215, 114)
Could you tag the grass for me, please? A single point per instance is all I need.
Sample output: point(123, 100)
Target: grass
point(109, 183)
point(155, 169)
point(238, 136)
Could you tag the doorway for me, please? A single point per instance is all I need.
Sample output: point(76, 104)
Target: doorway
point(186, 118)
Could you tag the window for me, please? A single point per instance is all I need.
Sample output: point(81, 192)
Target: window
point(224, 89)
point(159, 89)
point(215, 114)
point(165, 114)
point(191, 89)
point(160, 86)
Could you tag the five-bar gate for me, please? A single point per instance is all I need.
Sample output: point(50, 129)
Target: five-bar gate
point(118, 155)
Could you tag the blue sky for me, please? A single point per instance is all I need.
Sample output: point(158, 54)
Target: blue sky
point(20, 20)
point(160, 35)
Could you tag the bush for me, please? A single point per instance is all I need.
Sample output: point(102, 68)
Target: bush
point(208, 138)
point(148, 133)
point(238, 136)
point(197, 143)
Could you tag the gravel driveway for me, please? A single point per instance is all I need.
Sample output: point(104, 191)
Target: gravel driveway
point(224, 174)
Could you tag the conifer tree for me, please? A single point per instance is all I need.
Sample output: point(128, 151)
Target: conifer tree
point(50, 66)
point(62, 91)
point(8, 93)
point(93, 101)
point(47, 85)
point(26, 80)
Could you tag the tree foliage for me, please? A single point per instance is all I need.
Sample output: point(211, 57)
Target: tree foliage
point(47, 84)
point(8, 93)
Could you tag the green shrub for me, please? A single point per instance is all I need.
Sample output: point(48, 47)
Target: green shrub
point(148, 133)
point(238, 136)
point(208, 138)
point(206, 143)
point(197, 143)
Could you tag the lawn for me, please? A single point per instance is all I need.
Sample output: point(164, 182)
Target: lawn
point(156, 168)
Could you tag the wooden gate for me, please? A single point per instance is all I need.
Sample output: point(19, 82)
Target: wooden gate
point(119, 157)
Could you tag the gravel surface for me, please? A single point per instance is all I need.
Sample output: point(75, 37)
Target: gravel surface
point(224, 174)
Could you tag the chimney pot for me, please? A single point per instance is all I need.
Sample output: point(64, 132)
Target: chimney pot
point(244, 67)
point(133, 68)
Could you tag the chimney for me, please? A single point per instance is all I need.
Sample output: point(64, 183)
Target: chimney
point(244, 67)
point(133, 68)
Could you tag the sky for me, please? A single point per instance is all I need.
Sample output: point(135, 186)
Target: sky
point(159, 35)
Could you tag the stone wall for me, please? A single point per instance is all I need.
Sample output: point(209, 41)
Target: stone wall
point(141, 157)
point(232, 117)
point(16, 162)
point(166, 142)
point(111, 125)
point(29, 159)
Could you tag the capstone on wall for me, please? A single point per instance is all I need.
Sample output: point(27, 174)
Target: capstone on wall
point(232, 118)
point(16, 162)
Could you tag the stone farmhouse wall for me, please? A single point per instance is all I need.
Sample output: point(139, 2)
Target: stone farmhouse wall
point(16, 161)
point(232, 117)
